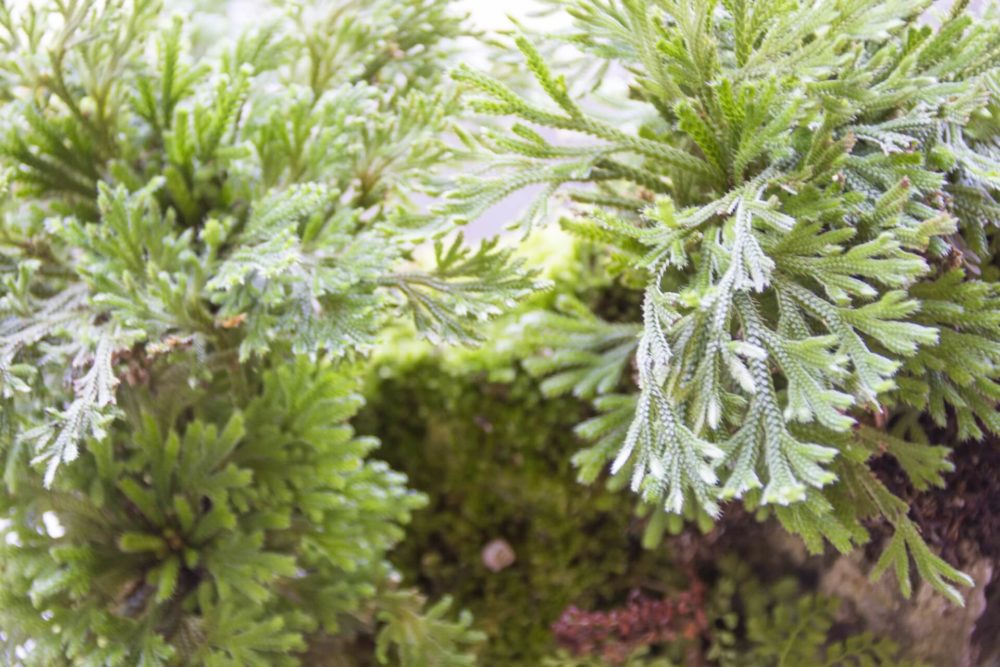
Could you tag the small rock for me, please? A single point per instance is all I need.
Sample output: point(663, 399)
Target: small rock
point(498, 555)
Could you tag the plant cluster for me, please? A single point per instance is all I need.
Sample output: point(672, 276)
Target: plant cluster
point(805, 196)
point(197, 243)
point(591, 584)
point(788, 277)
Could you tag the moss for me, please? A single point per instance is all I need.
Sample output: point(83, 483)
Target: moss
point(474, 432)
point(494, 459)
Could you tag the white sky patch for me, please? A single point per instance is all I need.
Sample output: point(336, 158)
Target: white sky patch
point(493, 15)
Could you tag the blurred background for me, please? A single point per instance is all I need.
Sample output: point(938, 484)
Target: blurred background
point(491, 17)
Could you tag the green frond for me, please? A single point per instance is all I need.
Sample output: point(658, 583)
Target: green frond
point(197, 240)
point(806, 196)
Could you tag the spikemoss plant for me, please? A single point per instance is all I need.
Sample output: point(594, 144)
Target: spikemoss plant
point(806, 195)
point(197, 242)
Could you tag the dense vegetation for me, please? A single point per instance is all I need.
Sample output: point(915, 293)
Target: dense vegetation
point(260, 404)
point(587, 579)
point(198, 241)
point(806, 200)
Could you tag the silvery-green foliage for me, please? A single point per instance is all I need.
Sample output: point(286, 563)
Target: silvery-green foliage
point(811, 203)
point(169, 196)
point(198, 243)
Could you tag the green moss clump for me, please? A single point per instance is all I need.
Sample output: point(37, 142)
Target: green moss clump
point(492, 456)
point(494, 459)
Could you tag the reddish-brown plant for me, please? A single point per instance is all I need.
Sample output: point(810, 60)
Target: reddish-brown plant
point(642, 621)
